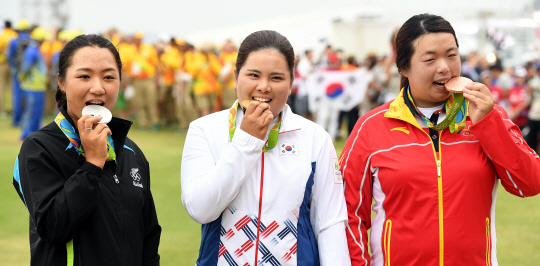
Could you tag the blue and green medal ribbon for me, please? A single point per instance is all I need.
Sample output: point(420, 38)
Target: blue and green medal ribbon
point(75, 140)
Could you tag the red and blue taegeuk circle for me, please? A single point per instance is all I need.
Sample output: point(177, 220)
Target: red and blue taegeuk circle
point(288, 148)
point(333, 90)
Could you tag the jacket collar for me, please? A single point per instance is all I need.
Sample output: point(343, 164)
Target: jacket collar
point(289, 121)
point(400, 110)
point(119, 128)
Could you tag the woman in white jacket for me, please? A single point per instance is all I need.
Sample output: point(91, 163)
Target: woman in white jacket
point(264, 182)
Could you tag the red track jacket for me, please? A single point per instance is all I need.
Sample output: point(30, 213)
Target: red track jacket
point(432, 208)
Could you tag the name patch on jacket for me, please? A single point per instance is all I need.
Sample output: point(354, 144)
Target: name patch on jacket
point(136, 177)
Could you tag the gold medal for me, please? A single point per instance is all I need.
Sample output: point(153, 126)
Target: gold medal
point(245, 103)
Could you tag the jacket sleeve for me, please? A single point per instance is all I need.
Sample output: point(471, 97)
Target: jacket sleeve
point(517, 165)
point(57, 205)
point(329, 210)
point(152, 229)
point(355, 166)
point(209, 184)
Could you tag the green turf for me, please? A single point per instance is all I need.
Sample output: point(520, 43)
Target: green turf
point(517, 220)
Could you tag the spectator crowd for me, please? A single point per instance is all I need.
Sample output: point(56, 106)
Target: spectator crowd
point(171, 83)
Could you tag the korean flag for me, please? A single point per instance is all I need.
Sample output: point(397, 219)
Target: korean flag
point(288, 149)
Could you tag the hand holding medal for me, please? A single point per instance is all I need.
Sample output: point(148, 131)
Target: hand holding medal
point(457, 84)
point(98, 111)
point(93, 131)
point(480, 99)
point(257, 118)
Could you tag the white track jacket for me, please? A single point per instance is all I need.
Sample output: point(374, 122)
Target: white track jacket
point(298, 185)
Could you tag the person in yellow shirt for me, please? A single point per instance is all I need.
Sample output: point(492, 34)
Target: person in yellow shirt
point(5, 77)
point(45, 50)
point(124, 104)
point(143, 74)
point(51, 46)
point(228, 58)
point(170, 63)
point(62, 38)
point(126, 49)
point(185, 109)
point(57, 44)
point(112, 36)
point(205, 69)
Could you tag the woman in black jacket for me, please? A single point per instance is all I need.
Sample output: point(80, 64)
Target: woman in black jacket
point(85, 184)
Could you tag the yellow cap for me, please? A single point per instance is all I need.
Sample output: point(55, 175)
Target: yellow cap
point(74, 33)
point(22, 24)
point(40, 34)
point(138, 35)
point(63, 36)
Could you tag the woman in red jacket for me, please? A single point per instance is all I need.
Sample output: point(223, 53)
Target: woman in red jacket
point(431, 161)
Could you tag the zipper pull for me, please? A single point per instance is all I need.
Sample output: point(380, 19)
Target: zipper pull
point(438, 168)
point(309, 235)
point(116, 179)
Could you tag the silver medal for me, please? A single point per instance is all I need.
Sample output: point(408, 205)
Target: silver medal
point(97, 110)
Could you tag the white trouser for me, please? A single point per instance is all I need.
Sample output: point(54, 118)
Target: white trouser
point(327, 117)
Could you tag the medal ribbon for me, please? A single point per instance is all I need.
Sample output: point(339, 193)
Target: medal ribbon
point(456, 113)
point(69, 131)
point(272, 137)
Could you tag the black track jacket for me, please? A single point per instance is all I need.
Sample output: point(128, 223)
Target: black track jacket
point(81, 214)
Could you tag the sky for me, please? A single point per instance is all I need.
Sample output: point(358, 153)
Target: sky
point(179, 17)
point(304, 22)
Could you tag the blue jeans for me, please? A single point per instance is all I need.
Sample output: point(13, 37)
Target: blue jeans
point(33, 111)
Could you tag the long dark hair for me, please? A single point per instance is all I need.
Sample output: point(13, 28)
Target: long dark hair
point(411, 30)
point(265, 39)
point(66, 58)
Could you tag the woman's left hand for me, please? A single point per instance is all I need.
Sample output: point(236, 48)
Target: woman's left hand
point(481, 101)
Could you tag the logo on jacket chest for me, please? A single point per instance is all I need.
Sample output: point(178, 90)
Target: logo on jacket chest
point(288, 149)
point(466, 131)
point(136, 177)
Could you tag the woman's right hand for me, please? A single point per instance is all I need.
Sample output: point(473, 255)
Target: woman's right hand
point(257, 119)
point(94, 139)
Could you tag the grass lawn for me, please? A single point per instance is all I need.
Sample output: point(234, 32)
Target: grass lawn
point(517, 223)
